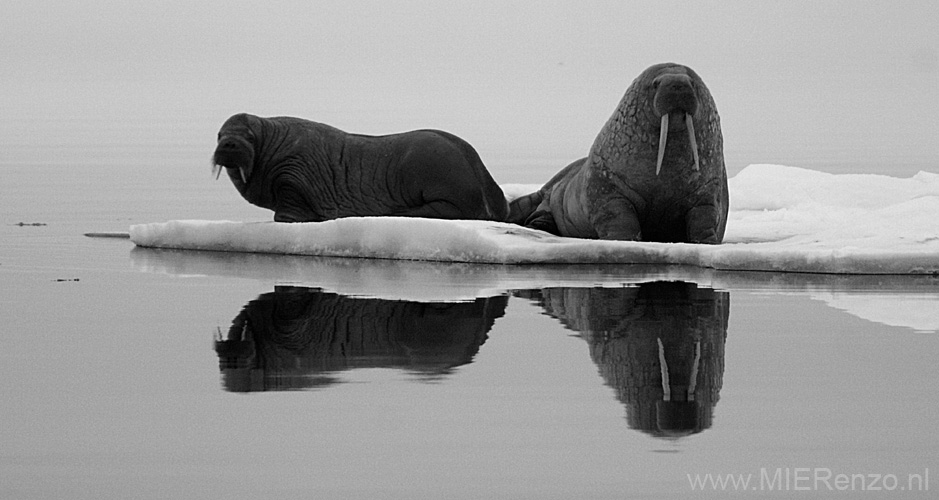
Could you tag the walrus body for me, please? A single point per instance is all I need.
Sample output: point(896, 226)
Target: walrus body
point(655, 171)
point(308, 172)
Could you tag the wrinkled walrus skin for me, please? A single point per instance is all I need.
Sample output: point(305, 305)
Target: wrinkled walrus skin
point(636, 186)
point(309, 172)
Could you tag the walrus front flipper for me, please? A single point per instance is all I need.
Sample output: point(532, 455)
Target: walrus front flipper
point(705, 225)
point(616, 219)
point(521, 208)
point(543, 220)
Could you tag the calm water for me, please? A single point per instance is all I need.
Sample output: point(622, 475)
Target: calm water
point(158, 374)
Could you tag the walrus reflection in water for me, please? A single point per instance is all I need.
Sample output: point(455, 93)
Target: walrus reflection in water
point(655, 171)
point(308, 172)
point(295, 338)
point(660, 346)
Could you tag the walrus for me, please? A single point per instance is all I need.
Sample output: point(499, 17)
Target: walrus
point(654, 173)
point(310, 172)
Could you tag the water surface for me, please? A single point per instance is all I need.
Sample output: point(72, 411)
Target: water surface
point(162, 374)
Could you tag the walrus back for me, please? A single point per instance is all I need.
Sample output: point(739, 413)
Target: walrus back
point(496, 207)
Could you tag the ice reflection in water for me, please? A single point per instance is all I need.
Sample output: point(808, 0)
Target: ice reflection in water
point(299, 338)
point(659, 345)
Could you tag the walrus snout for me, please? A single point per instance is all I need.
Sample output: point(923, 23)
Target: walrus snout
point(675, 96)
point(233, 153)
point(674, 93)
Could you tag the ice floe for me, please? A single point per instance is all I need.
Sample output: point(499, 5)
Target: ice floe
point(781, 219)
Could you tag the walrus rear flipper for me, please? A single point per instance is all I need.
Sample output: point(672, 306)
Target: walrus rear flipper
point(543, 220)
point(523, 207)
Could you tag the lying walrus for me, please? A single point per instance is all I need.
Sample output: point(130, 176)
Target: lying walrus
point(654, 173)
point(306, 171)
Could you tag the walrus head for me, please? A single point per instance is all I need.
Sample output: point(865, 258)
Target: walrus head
point(235, 149)
point(676, 103)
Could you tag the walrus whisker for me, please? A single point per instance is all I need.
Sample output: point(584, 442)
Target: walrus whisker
point(694, 145)
point(663, 137)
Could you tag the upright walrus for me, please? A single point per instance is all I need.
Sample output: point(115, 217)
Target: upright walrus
point(308, 172)
point(655, 171)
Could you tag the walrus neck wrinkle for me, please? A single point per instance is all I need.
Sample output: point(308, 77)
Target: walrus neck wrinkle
point(276, 150)
point(272, 137)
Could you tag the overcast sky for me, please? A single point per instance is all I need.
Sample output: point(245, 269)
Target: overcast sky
point(508, 76)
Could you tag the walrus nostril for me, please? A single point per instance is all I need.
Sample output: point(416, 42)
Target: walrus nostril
point(675, 93)
point(227, 144)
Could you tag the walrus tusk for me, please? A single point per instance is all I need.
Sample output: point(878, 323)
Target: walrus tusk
point(244, 178)
point(217, 170)
point(694, 145)
point(693, 378)
point(663, 137)
point(663, 369)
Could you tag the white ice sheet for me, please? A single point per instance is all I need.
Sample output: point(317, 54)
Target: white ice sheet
point(781, 219)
